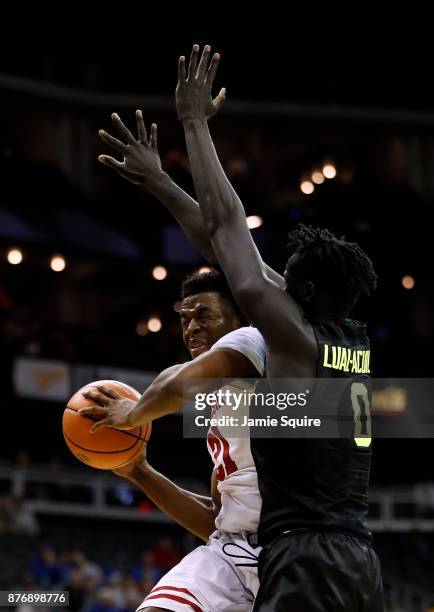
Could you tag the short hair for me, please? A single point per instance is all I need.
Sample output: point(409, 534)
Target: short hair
point(339, 268)
point(204, 282)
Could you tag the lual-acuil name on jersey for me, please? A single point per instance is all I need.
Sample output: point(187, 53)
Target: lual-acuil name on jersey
point(346, 359)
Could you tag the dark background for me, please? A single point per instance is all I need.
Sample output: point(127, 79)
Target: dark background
point(292, 105)
point(303, 90)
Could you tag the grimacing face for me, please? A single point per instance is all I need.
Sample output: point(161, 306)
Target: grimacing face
point(205, 318)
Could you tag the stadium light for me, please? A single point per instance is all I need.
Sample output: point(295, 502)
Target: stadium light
point(318, 177)
point(408, 282)
point(142, 328)
point(159, 273)
point(154, 325)
point(254, 221)
point(57, 263)
point(15, 256)
point(307, 187)
point(329, 171)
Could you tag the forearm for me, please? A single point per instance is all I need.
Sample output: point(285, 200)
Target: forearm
point(161, 398)
point(222, 211)
point(185, 210)
point(178, 385)
point(192, 511)
point(217, 198)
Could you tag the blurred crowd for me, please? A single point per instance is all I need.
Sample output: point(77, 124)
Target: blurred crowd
point(116, 586)
point(16, 516)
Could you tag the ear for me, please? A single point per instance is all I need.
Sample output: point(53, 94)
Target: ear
point(309, 292)
point(241, 320)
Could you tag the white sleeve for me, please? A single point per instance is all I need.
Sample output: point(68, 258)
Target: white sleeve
point(249, 342)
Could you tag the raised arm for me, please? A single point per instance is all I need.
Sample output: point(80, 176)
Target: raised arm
point(141, 165)
point(262, 300)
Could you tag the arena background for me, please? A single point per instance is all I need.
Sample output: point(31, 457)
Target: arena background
point(290, 111)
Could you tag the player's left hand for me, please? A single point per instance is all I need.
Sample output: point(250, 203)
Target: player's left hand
point(193, 92)
point(112, 409)
point(138, 463)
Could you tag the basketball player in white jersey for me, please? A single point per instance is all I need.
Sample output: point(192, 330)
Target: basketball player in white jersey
point(218, 576)
point(223, 574)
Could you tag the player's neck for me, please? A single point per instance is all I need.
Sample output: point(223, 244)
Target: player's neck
point(329, 313)
point(325, 307)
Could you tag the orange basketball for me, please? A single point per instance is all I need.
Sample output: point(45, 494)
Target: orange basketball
point(108, 448)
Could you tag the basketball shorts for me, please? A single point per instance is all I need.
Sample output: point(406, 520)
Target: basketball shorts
point(221, 575)
point(319, 571)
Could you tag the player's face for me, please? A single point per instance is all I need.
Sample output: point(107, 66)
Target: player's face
point(205, 318)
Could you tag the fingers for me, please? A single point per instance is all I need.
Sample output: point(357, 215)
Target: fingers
point(108, 392)
point(153, 140)
point(181, 71)
point(141, 130)
point(111, 161)
point(201, 72)
point(122, 129)
point(97, 411)
point(103, 423)
point(220, 99)
point(210, 75)
point(203, 64)
point(113, 142)
point(96, 396)
point(121, 169)
point(192, 66)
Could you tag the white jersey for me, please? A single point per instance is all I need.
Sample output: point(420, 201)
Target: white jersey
point(232, 457)
point(223, 575)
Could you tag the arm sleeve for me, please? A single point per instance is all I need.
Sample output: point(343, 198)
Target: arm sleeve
point(249, 342)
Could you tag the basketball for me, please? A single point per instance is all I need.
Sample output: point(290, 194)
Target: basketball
point(108, 448)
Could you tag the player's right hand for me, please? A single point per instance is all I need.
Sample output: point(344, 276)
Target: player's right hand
point(141, 162)
point(193, 92)
point(112, 409)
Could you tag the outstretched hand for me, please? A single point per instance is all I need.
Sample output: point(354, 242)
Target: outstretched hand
point(141, 161)
point(194, 90)
point(112, 409)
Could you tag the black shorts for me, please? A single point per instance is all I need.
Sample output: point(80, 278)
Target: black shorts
point(319, 571)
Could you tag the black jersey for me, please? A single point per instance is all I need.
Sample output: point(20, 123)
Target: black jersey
point(321, 483)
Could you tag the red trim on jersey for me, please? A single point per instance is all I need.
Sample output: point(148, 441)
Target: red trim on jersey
point(175, 598)
point(172, 588)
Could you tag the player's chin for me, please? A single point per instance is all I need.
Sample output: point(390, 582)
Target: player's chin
point(198, 350)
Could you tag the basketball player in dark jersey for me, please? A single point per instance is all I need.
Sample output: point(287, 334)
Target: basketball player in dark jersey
point(317, 554)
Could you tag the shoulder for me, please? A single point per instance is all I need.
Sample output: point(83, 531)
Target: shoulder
point(243, 335)
point(249, 342)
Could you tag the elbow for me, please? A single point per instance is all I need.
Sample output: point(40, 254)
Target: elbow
point(217, 215)
point(214, 222)
point(247, 291)
point(171, 388)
